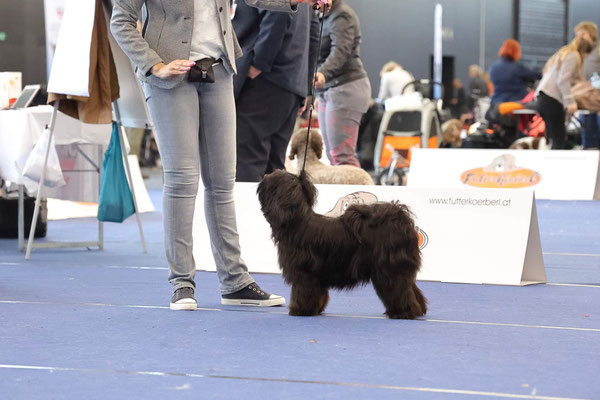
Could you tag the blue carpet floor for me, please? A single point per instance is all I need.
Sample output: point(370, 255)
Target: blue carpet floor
point(84, 324)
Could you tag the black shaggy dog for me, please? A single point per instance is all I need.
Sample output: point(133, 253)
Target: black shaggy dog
point(376, 242)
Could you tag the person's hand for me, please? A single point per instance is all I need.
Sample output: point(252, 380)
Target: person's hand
point(572, 108)
point(174, 68)
point(303, 106)
point(253, 72)
point(319, 80)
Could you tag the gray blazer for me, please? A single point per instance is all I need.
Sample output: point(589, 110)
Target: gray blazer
point(167, 33)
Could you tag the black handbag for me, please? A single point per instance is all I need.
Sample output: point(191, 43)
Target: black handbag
point(203, 70)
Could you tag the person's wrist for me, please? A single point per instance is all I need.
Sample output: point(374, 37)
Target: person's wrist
point(157, 67)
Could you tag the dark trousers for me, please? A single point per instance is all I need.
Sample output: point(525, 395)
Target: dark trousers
point(590, 136)
point(266, 115)
point(554, 115)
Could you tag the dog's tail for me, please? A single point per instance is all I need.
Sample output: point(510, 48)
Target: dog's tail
point(389, 229)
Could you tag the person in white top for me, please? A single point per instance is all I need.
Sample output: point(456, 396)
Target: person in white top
point(393, 80)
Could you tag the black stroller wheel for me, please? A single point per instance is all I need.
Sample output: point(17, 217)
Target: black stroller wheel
point(395, 179)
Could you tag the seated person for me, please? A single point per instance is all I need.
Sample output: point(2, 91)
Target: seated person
point(451, 130)
point(510, 78)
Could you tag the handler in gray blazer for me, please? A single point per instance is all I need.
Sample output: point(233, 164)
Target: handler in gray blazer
point(195, 128)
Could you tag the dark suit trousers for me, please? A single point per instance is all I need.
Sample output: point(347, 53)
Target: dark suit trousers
point(266, 115)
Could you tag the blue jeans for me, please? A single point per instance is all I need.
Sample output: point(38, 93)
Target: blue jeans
point(195, 133)
point(590, 137)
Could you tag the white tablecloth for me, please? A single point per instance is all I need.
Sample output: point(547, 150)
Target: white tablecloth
point(20, 130)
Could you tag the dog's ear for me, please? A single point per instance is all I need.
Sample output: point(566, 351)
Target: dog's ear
point(294, 143)
point(316, 143)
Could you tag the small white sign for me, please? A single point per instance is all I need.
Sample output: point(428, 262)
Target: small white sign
point(70, 73)
point(466, 236)
point(553, 174)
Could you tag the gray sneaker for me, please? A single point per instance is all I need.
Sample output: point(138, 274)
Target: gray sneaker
point(183, 299)
point(252, 295)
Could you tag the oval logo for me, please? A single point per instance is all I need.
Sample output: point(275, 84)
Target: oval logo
point(501, 173)
point(423, 238)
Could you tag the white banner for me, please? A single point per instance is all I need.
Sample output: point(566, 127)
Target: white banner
point(70, 73)
point(553, 174)
point(53, 12)
point(466, 236)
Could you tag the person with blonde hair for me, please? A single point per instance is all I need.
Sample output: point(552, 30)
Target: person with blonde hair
point(554, 94)
point(393, 80)
point(588, 30)
point(451, 130)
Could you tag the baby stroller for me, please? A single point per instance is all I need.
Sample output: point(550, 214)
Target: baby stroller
point(410, 120)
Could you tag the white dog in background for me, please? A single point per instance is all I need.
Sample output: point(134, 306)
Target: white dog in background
point(317, 169)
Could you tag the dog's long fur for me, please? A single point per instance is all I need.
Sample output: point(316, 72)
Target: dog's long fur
point(376, 242)
point(318, 171)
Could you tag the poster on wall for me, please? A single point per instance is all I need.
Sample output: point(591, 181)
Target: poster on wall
point(53, 12)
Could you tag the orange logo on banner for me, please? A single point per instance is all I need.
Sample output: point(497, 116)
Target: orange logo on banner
point(501, 173)
point(423, 238)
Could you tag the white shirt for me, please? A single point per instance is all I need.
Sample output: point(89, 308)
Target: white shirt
point(393, 82)
point(207, 38)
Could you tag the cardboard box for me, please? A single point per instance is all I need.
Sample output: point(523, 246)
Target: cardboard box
point(11, 85)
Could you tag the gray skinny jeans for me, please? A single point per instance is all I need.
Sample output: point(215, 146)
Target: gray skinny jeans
point(195, 132)
point(340, 111)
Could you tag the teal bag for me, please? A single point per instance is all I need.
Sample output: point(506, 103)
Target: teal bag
point(116, 201)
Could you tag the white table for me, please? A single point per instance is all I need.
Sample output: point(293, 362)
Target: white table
point(19, 132)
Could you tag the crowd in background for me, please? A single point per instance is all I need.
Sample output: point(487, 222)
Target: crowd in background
point(563, 87)
point(280, 52)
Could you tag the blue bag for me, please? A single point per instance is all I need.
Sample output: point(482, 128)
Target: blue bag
point(116, 201)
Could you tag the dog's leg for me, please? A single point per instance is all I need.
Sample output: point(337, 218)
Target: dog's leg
point(307, 298)
point(420, 298)
point(398, 296)
point(324, 300)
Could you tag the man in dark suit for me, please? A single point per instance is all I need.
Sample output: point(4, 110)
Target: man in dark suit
point(273, 81)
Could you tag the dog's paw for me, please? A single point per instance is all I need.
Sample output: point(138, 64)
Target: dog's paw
point(407, 314)
point(303, 313)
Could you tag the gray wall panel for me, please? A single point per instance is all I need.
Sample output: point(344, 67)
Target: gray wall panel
point(25, 46)
point(583, 10)
point(402, 30)
point(541, 30)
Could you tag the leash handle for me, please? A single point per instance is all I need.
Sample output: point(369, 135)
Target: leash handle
point(312, 93)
